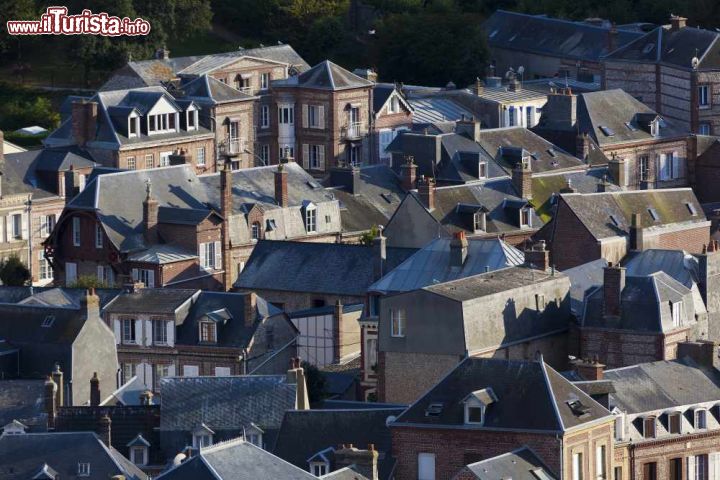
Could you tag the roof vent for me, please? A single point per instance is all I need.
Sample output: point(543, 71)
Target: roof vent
point(48, 321)
point(434, 410)
point(578, 408)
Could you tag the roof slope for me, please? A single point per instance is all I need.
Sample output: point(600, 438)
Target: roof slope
point(326, 76)
point(521, 464)
point(678, 264)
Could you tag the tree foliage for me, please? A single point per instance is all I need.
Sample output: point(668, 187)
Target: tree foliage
point(315, 381)
point(13, 272)
point(88, 281)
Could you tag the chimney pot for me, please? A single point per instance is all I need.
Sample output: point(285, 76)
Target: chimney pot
point(408, 173)
point(95, 390)
point(426, 191)
point(613, 285)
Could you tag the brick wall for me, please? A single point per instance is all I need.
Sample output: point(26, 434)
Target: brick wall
point(617, 348)
point(403, 377)
point(570, 243)
point(662, 451)
point(191, 146)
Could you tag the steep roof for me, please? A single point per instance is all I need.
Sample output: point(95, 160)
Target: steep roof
point(207, 88)
point(430, 110)
point(520, 464)
point(431, 264)
point(36, 171)
point(330, 268)
point(552, 36)
point(151, 300)
point(325, 76)
point(678, 264)
point(531, 396)
point(304, 433)
point(663, 384)
point(22, 400)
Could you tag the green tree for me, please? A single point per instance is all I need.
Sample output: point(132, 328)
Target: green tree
point(315, 381)
point(368, 237)
point(88, 281)
point(13, 272)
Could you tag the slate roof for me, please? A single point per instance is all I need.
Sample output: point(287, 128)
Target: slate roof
point(35, 171)
point(56, 297)
point(678, 264)
point(672, 47)
point(305, 433)
point(225, 403)
point(346, 473)
point(595, 209)
point(151, 301)
point(162, 254)
point(207, 89)
point(22, 456)
point(330, 268)
point(583, 279)
point(520, 464)
point(531, 396)
point(22, 400)
point(431, 264)
point(325, 76)
point(129, 394)
point(662, 384)
point(551, 36)
point(234, 460)
point(430, 110)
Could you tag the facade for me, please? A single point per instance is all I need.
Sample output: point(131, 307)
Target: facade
point(391, 115)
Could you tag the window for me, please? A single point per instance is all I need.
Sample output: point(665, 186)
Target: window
point(192, 119)
point(318, 469)
point(314, 116)
point(674, 422)
point(670, 166)
point(70, 273)
point(165, 158)
point(256, 231)
point(577, 466)
point(201, 156)
point(643, 168)
point(600, 471)
point(479, 222)
point(264, 81)
point(474, 414)
point(128, 331)
point(131, 164)
point(394, 104)
point(704, 96)
point(286, 151)
point(243, 82)
point(75, 231)
point(210, 255)
point(48, 321)
point(311, 220)
point(45, 272)
point(98, 236)
point(426, 466)
point(105, 275)
point(162, 123)
point(397, 322)
point(700, 419)
point(223, 371)
point(47, 224)
point(202, 440)
point(701, 467)
point(704, 129)
point(255, 439)
point(676, 311)
point(650, 471)
point(129, 370)
point(482, 170)
point(191, 371)
point(146, 276)
point(314, 160)
point(675, 469)
point(83, 469)
point(137, 455)
point(161, 371)
point(208, 332)
point(511, 117)
point(525, 218)
point(529, 120)
point(132, 126)
point(149, 161)
point(355, 155)
point(691, 208)
point(265, 154)
point(265, 116)
point(619, 427)
point(17, 226)
point(270, 338)
point(649, 427)
point(618, 473)
point(286, 115)
point(160, 336)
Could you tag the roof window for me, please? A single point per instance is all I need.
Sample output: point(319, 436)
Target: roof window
point(691, 208)
point(654, 214)
point(434, 410)
point(607, 131)
point(48, 321)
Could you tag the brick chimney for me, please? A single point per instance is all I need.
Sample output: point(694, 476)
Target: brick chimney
point(71, 181)
point(522, 178)
point(538, 256)
point(50, 400)
point(613, 285)
point(151, 207)
point(104, 428)
point(250, 308)
point(226, 181)
point(379, 254)
point(636, 232)
point(91, 304)
point(561, 110)
point(617, 170)
point(296, 376)
point(339, 328)
point(426, 191)
point(469, 128)
point(364, 462)
point(677, 23)
point(582, 145)
point(458, 249)
point(84, 121)
point(590, 370)
point(281, 186)
point(94, 390)
point(703, 352)
point(347, 177)
point(612, 38)
point(408, 172)
point(146, 397)
point(57, 377)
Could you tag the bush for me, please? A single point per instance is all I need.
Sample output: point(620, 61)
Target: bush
point(88, 281)
point(13, 272)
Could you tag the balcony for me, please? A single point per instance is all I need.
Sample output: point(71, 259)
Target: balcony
point(233, 146)
point(354, 131)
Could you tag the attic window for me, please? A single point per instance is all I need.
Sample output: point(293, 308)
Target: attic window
point(270, 224)
point(387, 197)
point(630, 127)
point(48, 321)
point(83, 469)
point(474, 414)
point(578, 408)
point(691, 209)
point(551, 152)
point(648, 48)
point(607, 131)
point(313, 184)
point(615, 220)
point(434, 410)
point(654, 214)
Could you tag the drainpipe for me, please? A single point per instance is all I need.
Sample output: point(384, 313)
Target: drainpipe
point(28, 209)
point(562, 461)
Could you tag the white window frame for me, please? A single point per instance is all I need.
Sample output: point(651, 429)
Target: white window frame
point(165, 158)
point(131, 163)
point(264, 81)
point(47, 224)
point(426, 466)
point(697, 415)
point(133, 121)
point(142, 451)
point(159, 331)
point(201, 156)
point(318, 468)
point(600, 462)
point(129, 370)
point(83, 469)
point(311, 219)
point(704, 129)
point(473, 406)
point(202, 440)
point(192, 114)
point(397, 322)
point(162, 123)
point(76, 231)
point(704, 100)
point(286, 115)
point(128, 331)
point(149, 160)
point(676, 312)
point(255, 231)
point(45, 272)
point(264, 116)
point(577, 466)
point(98, 235)
point(265, 154)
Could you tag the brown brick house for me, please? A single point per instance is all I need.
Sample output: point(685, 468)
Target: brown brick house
point(487, 407)
point(391, 115)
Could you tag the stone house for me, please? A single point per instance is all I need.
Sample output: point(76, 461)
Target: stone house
point(585, 227)
point(510, 313)
point(183, 230)
point(322, 117)
point(673, 70)
point(139, 128)
point(167, 332)
point(486, 407)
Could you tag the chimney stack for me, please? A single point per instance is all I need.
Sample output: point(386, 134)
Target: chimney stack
point(364, 462)
point(561, 110)
point(479, 86)
point(469, 128)
point(379, 254)
point(617, 170)
point(151, 207)
point(613, 286)
point(91, 304)
point(226, 180)
point(568, 188)
point(348, 177)
point(250, 308)
point(94, 390)
point(582, 147)
point(426, 191)
point(636, 232)
point(72, 184)
point(50, 400)
point(281, 186)
point(458, 249)
point(296, 375)
point(677, 23)
point(538, 256)
point(104, 428)
point(146, 397)
point(522, 178)
point(612, 38)
point(57, 377)
point(84, 121)
point(408, 171)
point(590, 370)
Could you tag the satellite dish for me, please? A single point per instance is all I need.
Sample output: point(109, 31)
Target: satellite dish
point(521, 70)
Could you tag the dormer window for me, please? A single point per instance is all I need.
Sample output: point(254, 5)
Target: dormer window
point(674, 422)
point(480, 222)
point(700, 419)
point(676, 312)
point(482, 169)
point(202, 437)
point(649, 427)
point(655, 128)
point(208, 332)
point(310, 218)
point(254, 435)
point(256, 231)
point(139, 449)
point(526, 217)
point(162, 123)
point(192, 119)
point(133, 126)
point(475, 414)
point(476, 404)
point(83, 469)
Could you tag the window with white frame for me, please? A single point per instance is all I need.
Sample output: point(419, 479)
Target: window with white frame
point(426, 466)
point(700, 419)
point(129, 370)
point(201, 156)
point(45, 272)
point(619, 426)
point(311, 219)
point(161, 123)
point(131, 163)
point(47, 224)
point(160, 328)
point(98, 235)
point(161, 371)
point(318, 468)
point(128, 331)
point(192, 119)
point(138, 455)
point(479, 221)
point(474, 414)
point(256, 231)
point(264, 116)
point(105, 275)
point(394, 104)
point(577, 466)
point(76, 231)
point(643, 165)
point(676, 311)
point(191, 371)
point(511, 117)
point(265, 154)
point(17, 225)
point(286, 151)
point(397, 322)
point(355, 155)
point(526, 217)
point(315, 153)
point(165, 158)
point(704, 96)
point(202, 440)
point(704, 129)
point(702, 470)
point(149, 161)
point(314, 116)
point(210, 255)
point(83, 469)
point(208, 332)
point(286, 115)
point(264, 81)
point(133, 126)
point(600, 467)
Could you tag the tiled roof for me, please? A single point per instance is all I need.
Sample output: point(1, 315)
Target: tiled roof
point(22, 400)
point(151, 300)
point(206, 88)
point(325, 76)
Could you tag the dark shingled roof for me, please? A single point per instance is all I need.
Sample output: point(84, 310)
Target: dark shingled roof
point(521, 464)
point(151, 300)
point(663, 384)
point(551, 36)
point(531, 396)
point(305, 433)
point(36, 171)
point(207, 89)
point(325, 76)
point(22, 400)
point(330, 268)
point(235, 460)
point(23, 456)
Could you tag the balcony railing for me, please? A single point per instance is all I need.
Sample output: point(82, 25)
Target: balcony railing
point(233, 146)
point(354, 131)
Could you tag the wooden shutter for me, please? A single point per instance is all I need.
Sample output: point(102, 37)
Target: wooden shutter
point(140, 373)
point(305, 115)
point(690, 468)
point(714, 465)
point(306, 156)
point(201, 253)
point(149, 330)
point(138, 333)
point(24, 221)
point(321, 116)
point(321, 157)
point(170, 333)
point(218, 255)
point(118, 332)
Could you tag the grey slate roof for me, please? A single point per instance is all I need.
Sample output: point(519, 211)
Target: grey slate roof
point(520, 464)
point(206, 89)
point(330, 268)
point(346, 473)
point(325, 76)
point(431, 110)
point(225, 403)
point(531, 396)
point(551, 36)
point(431, 264)
point(151, 301)
point(678, 264)
point(663, 384)
point(307, 432)
point(22, 400)
point(234, 460)
point(35, 171)
point(162, 254)
point(22, 456)
point(583, 279)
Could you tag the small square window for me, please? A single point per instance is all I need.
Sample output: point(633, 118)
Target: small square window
point(48, 321)
point(83, 469)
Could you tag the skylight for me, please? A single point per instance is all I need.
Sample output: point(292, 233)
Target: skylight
point(434, 410)
point(654, 214)
point(607, 131)
point(691, 209)
point(551, 152)
point(615, 220)
point(48, 321)
point(648, 48)
point(578, 408)
point(630, 127)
